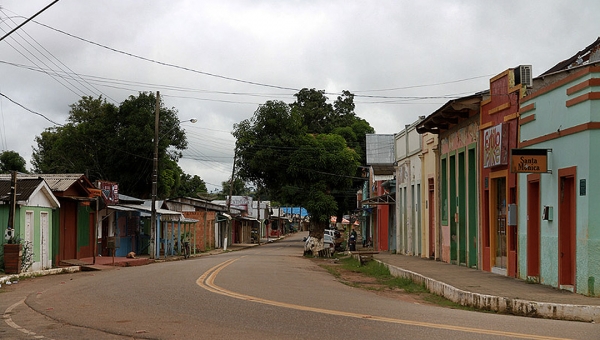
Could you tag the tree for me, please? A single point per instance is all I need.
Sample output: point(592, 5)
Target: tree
point(306, 153)
point(190, 186)
point(239, 188)
point(12, 161)
point(113, 143)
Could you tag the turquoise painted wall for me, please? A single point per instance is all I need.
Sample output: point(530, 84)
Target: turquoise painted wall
point(580, 150)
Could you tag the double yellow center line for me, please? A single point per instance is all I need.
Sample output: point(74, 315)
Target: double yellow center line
point(207, 281)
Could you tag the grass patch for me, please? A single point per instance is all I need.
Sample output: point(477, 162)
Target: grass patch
point(332, 270)
point(382, 274)
point(385, 280)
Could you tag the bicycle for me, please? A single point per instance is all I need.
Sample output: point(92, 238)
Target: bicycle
point(186, 250)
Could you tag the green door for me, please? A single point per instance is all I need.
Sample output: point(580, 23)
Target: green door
point(472, 193)
point(462, 211)
point(453, 229)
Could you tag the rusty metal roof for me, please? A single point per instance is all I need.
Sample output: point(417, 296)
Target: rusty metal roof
point(56, 182)
point(588, 55)
point(452, 113)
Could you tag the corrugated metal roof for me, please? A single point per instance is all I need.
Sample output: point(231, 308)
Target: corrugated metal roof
point(25, 188)
point(56, 182)
point(452, 113)
point(586, 56)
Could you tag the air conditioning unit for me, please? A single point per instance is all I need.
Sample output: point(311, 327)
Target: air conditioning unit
point(523, 76)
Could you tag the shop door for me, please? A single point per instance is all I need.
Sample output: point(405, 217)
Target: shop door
point(431, 220)
point(533, 228)
point(500, 227)
point(44, 240)
point(566, 232)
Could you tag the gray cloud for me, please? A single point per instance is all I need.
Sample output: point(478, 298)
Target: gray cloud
point(419, 48)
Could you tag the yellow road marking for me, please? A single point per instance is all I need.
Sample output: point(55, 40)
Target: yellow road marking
point(9, 321)
point(207, 281)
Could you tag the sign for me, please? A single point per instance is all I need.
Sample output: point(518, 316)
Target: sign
point(110, 192)
point(529, 160)
point(495, 145)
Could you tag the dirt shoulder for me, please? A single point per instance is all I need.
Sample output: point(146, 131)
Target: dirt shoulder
point(363, 281)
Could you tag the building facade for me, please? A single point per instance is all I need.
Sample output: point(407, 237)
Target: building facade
point(560, 122)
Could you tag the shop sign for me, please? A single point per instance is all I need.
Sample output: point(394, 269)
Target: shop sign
point(529, 160)
point(110, 192)
point(495, 144)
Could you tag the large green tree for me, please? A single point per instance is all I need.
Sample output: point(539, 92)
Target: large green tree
point(116, 143)
point(305, 153)
point(190, 186)
point(11, 161)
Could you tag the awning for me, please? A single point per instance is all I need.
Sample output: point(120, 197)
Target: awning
point(120, 208)
point(380, 200)
point(165, 215)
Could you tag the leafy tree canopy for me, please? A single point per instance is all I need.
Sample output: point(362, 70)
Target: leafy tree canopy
point(305, 153)
point(116, 143)
point(190, 186)
point(12, 161)
point(239, 188)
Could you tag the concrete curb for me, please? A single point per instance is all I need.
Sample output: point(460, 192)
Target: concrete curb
point(73, 269)
point(499, 304)
point(53, 271)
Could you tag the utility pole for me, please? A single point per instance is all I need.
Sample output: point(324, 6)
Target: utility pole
point(153, 247)
point(13, 202)
point(258, 210)
point(230, 193)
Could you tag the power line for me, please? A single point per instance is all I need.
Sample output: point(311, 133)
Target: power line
point(26, 21)
point(258, 83)
point(32, 111)
point(169, 64)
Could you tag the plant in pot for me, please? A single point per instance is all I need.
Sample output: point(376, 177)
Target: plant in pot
point(13, 252)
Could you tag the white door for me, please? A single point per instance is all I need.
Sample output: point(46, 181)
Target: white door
point(44, 241)
point(29, 232)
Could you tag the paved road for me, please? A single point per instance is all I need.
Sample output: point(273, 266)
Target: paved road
point(266, 292)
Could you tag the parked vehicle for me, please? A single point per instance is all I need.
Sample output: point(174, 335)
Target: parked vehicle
point(310, 244)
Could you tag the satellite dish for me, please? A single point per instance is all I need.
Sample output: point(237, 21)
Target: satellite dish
point(8, 233)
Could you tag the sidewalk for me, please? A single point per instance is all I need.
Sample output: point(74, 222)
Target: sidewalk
point(109, 262)
point(488, 291)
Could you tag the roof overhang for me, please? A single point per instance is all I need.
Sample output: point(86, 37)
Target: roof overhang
point(388, 199)
point(452, 113)
point(165, 215)
point(383, 169)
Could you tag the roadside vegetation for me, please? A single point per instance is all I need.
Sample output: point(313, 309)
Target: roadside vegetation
point(375, 276)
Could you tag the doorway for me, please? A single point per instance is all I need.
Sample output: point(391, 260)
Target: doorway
point(44, 240)
point(566, 228)
point(533, 226)
point(431, 221)
point(499, 227)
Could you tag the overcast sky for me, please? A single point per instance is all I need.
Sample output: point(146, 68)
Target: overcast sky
point(402, 59)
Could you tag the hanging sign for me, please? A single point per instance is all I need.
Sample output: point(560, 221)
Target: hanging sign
point(529, 160)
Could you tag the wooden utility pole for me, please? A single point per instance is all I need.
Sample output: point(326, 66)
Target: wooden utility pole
point(230, 193)
point(13, 201)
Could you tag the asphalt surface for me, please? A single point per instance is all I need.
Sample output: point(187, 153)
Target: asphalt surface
point(466, 286)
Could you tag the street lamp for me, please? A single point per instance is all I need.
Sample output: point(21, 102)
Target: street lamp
point(153, 240)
